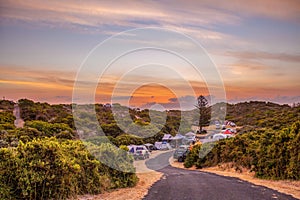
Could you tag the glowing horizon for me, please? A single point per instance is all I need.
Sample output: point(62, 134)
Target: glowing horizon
point(255, 47)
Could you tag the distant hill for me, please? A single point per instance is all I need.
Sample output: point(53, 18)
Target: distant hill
point(263, 114)
point(256, 114)
point(6, 105)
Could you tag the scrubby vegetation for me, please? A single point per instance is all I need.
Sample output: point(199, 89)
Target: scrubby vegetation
point(267, 143)
point(46, 160)
point(270, 154)
point(51, 169)
point(263, 114)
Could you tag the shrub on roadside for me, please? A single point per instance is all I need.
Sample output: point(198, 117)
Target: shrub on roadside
point(270, 154)
point(51, 169)
point(193, 156)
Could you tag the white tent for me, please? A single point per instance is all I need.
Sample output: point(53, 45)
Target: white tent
point(190, 134)
point(178, 137)
point(177, 140)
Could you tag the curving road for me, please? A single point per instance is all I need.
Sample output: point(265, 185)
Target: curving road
point(186, 184)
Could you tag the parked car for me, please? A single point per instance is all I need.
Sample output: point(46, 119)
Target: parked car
point(180, 153)
point(139, 151)
point(221, 136)
point(141, 154)
point(182, 157)
point(150, 147)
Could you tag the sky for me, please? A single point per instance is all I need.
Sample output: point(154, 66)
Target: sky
point(143, 53)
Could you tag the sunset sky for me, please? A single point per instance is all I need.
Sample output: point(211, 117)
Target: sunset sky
point(254, 45)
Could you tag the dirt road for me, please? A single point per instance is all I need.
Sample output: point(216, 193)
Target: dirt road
point(19, 123)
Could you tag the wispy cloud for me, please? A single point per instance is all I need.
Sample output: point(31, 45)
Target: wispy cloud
point(151, 13)
point(131, 13)
point(273, 9)
point(257, 55)
point(37, 78)
point(208, 21)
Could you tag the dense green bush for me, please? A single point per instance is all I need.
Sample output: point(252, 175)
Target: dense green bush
point(127, 139)
point(48, 129)
point(51, 169)
point(7, 120)
point(6, 105)
point(192, 156)
point(115, 162)
point(271, 154)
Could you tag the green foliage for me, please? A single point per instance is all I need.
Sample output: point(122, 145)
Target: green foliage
point(49, 169)
point(192, 156)
point(124, 147)
point(45, 169)
point(45, 112)
point(271, 154)
point(6, 105)
point(204, 112)
point(59, 130)
point(98, 140)
point(7, 120)
point(263, 114)
point(127, 139)
point(111, 129)
point(117, 163)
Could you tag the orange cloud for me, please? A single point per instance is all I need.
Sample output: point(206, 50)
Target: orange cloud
point(36, 84)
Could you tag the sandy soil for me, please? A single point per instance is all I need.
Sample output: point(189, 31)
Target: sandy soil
point(146, 180)
point(284, 186)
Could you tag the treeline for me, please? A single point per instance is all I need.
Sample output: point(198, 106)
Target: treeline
point(62, 113)
point(270, 154)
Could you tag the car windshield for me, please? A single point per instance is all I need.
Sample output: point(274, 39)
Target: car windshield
point(139, 148)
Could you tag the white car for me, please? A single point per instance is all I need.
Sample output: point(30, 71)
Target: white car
point(139, 151)
point(221, 136)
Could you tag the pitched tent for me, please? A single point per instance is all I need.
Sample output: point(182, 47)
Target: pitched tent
point(228, 131)
point(178, 137)
point(190, 134)
point(190, 137)
point(177, 140)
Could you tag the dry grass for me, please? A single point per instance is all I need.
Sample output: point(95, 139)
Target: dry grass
point(283, 186)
